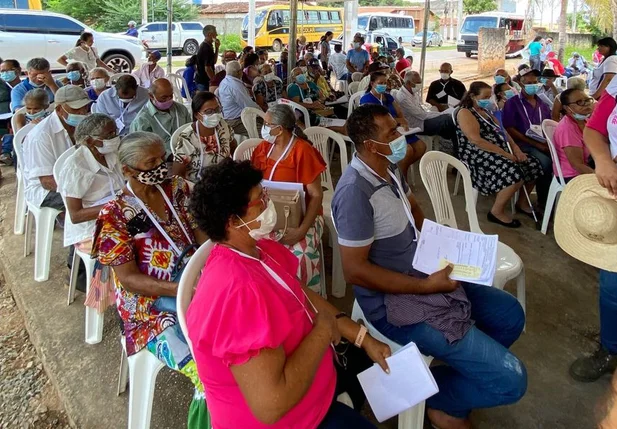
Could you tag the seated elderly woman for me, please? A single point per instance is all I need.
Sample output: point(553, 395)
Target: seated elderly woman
point(76, 74)
point(207, 141)
point(286, 155)
point(141, 234)
point(261, 338)
point(36, 102)
point(268, 89)
point(99, 79)
point(568, 137)
point(571, 83)
point(482, 143)
point(307, 94)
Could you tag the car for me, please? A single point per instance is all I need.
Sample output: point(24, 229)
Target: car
point(185, 36)
point(433, 38)
point(26, 34)
point(386, 45)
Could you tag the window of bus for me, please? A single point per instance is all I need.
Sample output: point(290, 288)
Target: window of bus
point(323, 16)
point(278, 19)
point(336, 18)
point(312, 17)
point(260, 17)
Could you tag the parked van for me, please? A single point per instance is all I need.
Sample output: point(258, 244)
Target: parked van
point(400, 27)
point(468, 38)
point(26, 34)
point(185, 36)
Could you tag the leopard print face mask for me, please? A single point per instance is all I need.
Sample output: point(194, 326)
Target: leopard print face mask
point(156, 176)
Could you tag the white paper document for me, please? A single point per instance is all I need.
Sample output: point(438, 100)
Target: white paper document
point(415, 130)
point(287, 186)
point(410, 382)
point(453, 102)
point(331, 122)
point(341, 100)
point(474, 256)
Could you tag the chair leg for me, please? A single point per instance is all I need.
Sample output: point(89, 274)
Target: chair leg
point(123, 376)
point(550, 203)
point(338, 279)
point(322, 275)
point(20, 208)
point(413, 418)
point(28, 234)
point(94, 319)
point(43, 240)
point(73, 278)
point(143, 371)
point(520, 293)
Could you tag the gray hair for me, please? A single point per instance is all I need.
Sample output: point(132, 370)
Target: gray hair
point(285, 116)
point(37, 95)
point(38, 64)
point(410, 75)
point(135, 145)
point(99, 69)
point(575, 83)
point(92, 126)
point(232, 67)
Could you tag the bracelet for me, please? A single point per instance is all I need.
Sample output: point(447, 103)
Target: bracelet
point(340, 315)
point(360, 336)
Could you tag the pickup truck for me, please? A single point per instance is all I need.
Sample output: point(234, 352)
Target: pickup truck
point(185, 36)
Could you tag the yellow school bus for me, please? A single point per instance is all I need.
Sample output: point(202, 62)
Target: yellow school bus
point(272, 24)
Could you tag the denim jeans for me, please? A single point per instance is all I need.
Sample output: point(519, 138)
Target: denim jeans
point(544, 182)
point(7, 143)
point(481, 372)
point(340, 416)
point(535, 63)
point(608, 310)
point(202, 87)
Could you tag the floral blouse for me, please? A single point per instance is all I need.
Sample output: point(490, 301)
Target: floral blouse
point(270, 94)
point(124, 233)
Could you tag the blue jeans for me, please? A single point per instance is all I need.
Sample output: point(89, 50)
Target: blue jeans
point(535, 63)
point(340, 416)
point(166, 303)
point(543, 183)
point(481, 372)
point(608, 310)
point(7, 143)
point(202, 87)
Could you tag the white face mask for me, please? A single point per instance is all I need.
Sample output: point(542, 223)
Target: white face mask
point(445, 76)
point(98, 83)
point(416, 89)
point(266, 134)
point(269, 77)
point(125, 100)
point(211, 121)
point(109, 146)
point(267, 219)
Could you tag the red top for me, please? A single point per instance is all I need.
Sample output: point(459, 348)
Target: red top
point(401, 65)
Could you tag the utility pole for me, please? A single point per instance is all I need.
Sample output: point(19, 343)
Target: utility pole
point(452, 35)
point(291, 45)
point(574, 16)
point(459, 20)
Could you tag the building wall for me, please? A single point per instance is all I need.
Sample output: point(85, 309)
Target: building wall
point(225, 24)
point(580, 40)
point(491, 49)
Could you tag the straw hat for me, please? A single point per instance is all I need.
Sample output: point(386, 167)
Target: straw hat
point(586, 223)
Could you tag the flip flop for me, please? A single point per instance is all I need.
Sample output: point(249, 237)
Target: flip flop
point(514, 224)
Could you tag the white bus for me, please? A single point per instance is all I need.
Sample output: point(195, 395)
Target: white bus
point(399, 27)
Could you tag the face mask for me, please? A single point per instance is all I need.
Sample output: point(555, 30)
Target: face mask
point(42, 114)
point(163, 105)
point(156, 176)
point(304, 69)
point(444, 76)
point(211, 121)
point(269, 77)
point(416, 89)
point(381, 88)
point(125, 100)
point(266, 134)
point(36, 85)
point(8, 76)
point(267, 219)
point(485, 104)
point(72, 120)
point(150, 63)
point(500, 79)
point(73, 76)
point(109, 146)
point(398, 147)
point(543, 80)
point(301, 78)
point(532, 88)
point(356, 45)
point(509, 94)
point(98, 83)
point(580, 116)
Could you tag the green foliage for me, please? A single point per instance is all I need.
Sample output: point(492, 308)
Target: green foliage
point(112, 15)
point(586, 23)
point(471, 7)
point(230, 42)
point(586, 53)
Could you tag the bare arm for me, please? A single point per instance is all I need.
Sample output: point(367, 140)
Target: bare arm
point(136, 282)
point(210, 72)
point(100, 63)
point(261, 100)
point(576, 159)
point(80, 214)
point(606, 170)
point(416, 211)
point(48, 182)
point(607, 79)
point(63, 60)
point(556, 112)
point(434, 102)
point(400, 117)
point(350, 66)
point(471, 128)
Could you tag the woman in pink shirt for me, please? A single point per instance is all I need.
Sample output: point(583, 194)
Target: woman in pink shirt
point(568, 138)
point(261, 340)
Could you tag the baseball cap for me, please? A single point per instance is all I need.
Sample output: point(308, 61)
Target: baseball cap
point(549, 73)
point(73, 96)
point(157, 54)
point(528, 70)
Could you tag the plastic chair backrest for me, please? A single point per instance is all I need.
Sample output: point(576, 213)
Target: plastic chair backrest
point(354, 102)
point(176, 135)
point(249, 120)
point(177, 82)
point(21, 110)
point(60, 162)
point(319, 136)
point(394, 92)
point(548, 127)
point(244, 151)
point(188, 282)
point(357, 76)
point(434, 173)
point(352, 88)
point(18, 141)
point(296, 106)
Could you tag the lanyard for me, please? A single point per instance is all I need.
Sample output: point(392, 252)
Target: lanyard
point(527, 114)
point(281, 157)
point(402, 196)
point(161, 125)
point(490, 123)
point(123, 109)
point(201, 147)
point(156, 223)
point(301, 92)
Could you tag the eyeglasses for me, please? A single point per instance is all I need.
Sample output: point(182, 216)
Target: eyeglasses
point(211, 111)
point(583, 102)
point(264, 199)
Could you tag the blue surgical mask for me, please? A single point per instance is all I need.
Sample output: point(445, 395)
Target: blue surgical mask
point(398, 147)
point(72, 120)
point(532, 88)
point(500, 79)
point(73, 76)
point(509, 94)
point(8, 76)
point(381, 88)
point(485, 104)
point(543, 80)
point(580, 117)
point(301, 78)
point(32, 116)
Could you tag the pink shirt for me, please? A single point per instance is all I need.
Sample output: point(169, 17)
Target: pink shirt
point(568, 134)
point(601, 112)
point(238, 310)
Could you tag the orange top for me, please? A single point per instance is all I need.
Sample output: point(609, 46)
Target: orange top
point(303, 164)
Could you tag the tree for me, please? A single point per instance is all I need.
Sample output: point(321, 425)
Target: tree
point(471, 7)
point(614, 15)
point(603, 13)
point(563, 36)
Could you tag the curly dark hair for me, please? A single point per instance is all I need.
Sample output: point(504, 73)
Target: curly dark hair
point(361, 124)
point(223, 192)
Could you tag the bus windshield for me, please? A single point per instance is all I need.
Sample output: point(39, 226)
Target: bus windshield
point(260, 17)
point(472, 24)
point(362, 22)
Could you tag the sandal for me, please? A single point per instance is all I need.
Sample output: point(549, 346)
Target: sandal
point(514, 224)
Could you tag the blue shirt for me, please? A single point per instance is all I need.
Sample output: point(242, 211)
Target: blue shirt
point(132, 32)
point(535, 48)
point(92, 93)
point(189, 77)
point(358, 58)
point(18, 93)
point(388, 101)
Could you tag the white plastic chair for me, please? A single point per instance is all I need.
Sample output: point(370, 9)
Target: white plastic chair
point(176, 136)
point(412, 418)
point(320, 137)
point(353, 103)
point(357, 76)
point(178, 83)
point(296, 106)
point(22, 111)
point(434, 172)
point(20, 199)
point(394, 92)
point(185, 86)
point(94, 319)
point(558, 184)
point(244, 151)
point(352, 88)
point(341, 85)
point(249, 120)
